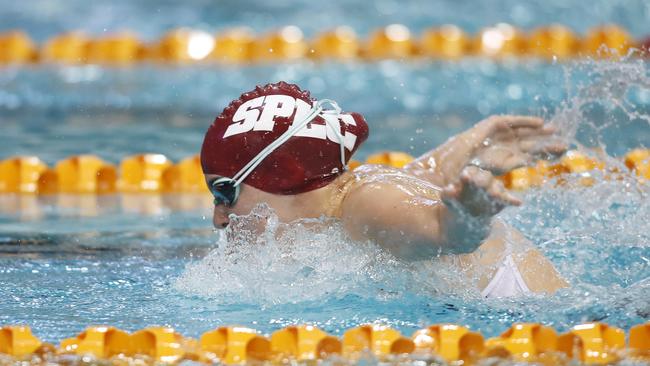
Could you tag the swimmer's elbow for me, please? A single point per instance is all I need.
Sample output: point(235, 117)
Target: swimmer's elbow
point(446, 237)
point(436, 230)
point(462, 234)
point(410, 234)
point(395, 221)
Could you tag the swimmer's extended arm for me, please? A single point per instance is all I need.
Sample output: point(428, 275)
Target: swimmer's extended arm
point(407, 221)
point(395, 219)
point(419, 220)
point(497, 144)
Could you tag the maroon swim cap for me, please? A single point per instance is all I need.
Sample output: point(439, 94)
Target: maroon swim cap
point(308, 160)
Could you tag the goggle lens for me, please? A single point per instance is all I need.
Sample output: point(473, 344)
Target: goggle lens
point(224, 191)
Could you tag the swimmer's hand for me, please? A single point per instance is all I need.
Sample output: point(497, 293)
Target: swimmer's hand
point(478, 193)
point(497, 144)
point(508, 142)
point(472, 202)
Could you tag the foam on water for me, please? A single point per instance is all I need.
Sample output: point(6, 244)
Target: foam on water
point(305, 260)
point(598, 237)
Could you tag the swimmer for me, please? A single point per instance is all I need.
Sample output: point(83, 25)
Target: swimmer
point(277, 145)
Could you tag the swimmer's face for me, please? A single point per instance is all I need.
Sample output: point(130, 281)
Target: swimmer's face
point(249, 198)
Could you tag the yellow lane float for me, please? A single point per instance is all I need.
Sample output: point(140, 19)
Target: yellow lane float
point(304, 343)
point(340, 43)
point(640, 341)
point(67, 48)
point(84, 174)
point(591, 343)
point(638, 160)
point(391, 42)
point(99, 341)
point(142, 173)
point(525, 341)
point(288, 43)
point(21, 174)
point(183, 46)
point(527, 177)
point(184, 177)
point(448, 42)
point(119, 49)
point(452, 342)
point(236, 345)
point(159, 343)
point(534, 176)
point(395, 159)
point(154, 173)
point(395, 41)
point(353, 164)
point(553, 41)
point(16, 48)
point(577, 162)
point(500, 41)
point(378, 339)
point(594, 343)
point(607, 41)
point(233, 46)
point(18, 341)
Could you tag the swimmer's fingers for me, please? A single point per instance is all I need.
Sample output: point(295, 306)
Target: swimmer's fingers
point(514, 129)
point(479, 193)
point(501, 159)
point(483, 180)
point(505, 124)
point(475, 176)
point(501, 156)
point(519, 133)
point(468, 179)
point(510, 122)
point(499, 192)
point(544, 147)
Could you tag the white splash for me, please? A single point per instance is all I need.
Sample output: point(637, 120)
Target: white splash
point(282, 263)
point(599, 236)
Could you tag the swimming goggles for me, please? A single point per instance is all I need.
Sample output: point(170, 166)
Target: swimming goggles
point(226, 190)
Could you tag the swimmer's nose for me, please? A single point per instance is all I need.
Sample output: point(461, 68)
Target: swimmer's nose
point(220, 218)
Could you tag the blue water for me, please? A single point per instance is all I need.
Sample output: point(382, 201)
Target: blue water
point(132, 262)
point(150, 18)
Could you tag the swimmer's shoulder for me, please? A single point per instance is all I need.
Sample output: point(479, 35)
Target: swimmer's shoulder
point(370, 181)
point(393, 208)
point(374, 173)
point(356, 180)
point(379, 175)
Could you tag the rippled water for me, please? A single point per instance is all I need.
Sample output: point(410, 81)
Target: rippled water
point(42, 18)
point(67, 262)
point(130, 262)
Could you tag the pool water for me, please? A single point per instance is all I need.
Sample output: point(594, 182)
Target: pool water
point(132, 262)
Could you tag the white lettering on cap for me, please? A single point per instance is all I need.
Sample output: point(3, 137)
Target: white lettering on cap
point(274, 106)
point(249, 117)
point(245, 117)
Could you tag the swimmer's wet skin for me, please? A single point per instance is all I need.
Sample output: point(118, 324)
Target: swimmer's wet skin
point(278, 146)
